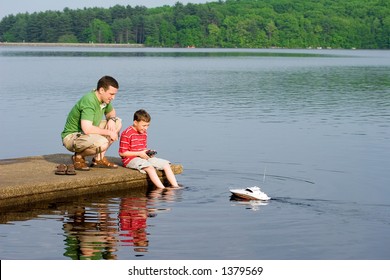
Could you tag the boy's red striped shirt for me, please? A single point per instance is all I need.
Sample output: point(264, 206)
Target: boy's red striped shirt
point(133, 141)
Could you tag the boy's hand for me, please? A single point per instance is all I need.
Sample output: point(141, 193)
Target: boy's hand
point(151, 153)
point(144, 155)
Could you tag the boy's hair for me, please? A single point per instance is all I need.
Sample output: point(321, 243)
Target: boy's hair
point(142, 115)
point(107, 81)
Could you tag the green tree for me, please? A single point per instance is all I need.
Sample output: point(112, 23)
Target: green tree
point(64, 25)
point(34, 28)
point(230, 23)
point(232, 33)
point(139, 29)
point(167, 34)
point(385, 42)
point(271, 32)
point(189, 31)
point(245, 31)
point(50, 25)
point(99, 32)
point(6, 25)
point(289, 30)
point(68, 38)
point(122, 30)
point(18, 31)
point(214, 37)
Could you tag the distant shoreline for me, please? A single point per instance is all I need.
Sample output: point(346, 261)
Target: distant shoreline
point(97, 45)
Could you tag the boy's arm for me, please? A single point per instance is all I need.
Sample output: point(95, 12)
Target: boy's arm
point(141, 154)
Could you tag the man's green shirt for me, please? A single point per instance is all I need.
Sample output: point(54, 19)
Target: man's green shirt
point(87, 108)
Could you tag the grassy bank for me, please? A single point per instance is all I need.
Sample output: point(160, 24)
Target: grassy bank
point(72, 45)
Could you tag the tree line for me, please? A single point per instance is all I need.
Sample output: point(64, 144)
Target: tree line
point(363, 24)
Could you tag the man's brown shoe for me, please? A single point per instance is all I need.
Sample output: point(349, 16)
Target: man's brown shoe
point(103, 163)
point(79, 163)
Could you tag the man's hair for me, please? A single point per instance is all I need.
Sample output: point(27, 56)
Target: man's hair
point(106, 81)
point(142, 115)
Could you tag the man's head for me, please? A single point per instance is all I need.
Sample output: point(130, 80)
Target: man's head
point(106, 89)
point(141, 121)
point(106, 81)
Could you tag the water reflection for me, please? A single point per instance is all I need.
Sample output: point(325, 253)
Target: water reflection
point(90, 233)
point(133, 214)
point(98, 226)
point(96, 231)
point(254, 205)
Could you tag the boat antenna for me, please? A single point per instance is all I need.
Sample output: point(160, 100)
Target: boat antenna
point(265, 168)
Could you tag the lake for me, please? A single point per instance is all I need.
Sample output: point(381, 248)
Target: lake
point(311, 127)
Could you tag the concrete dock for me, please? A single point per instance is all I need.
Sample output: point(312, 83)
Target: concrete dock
point(31, 179)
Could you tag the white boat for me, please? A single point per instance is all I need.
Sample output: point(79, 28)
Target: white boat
point(253, 193)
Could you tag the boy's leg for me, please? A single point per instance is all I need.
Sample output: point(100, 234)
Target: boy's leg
point(154, 177)
point(163, 164)
point(145, 166)
point(170, 175)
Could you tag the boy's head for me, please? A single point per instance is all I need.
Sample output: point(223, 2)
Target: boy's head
point(142, 115)
point(141, 121)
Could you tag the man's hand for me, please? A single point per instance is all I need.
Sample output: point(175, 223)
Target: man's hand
point(113, 135)
point(111, 125)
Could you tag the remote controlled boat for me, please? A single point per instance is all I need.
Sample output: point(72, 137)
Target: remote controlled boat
point(253, 193)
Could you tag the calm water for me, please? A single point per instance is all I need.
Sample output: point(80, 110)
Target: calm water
point(311, 127)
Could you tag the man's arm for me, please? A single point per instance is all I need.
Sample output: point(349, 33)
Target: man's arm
point(111, 114)
point(111, 120)
point(89, 128)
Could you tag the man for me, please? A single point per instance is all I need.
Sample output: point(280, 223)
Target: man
point(86, 133)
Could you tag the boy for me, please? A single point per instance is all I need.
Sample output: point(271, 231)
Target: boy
point(133, 151)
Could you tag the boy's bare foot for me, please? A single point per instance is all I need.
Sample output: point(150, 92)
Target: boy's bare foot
point(175, 187)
